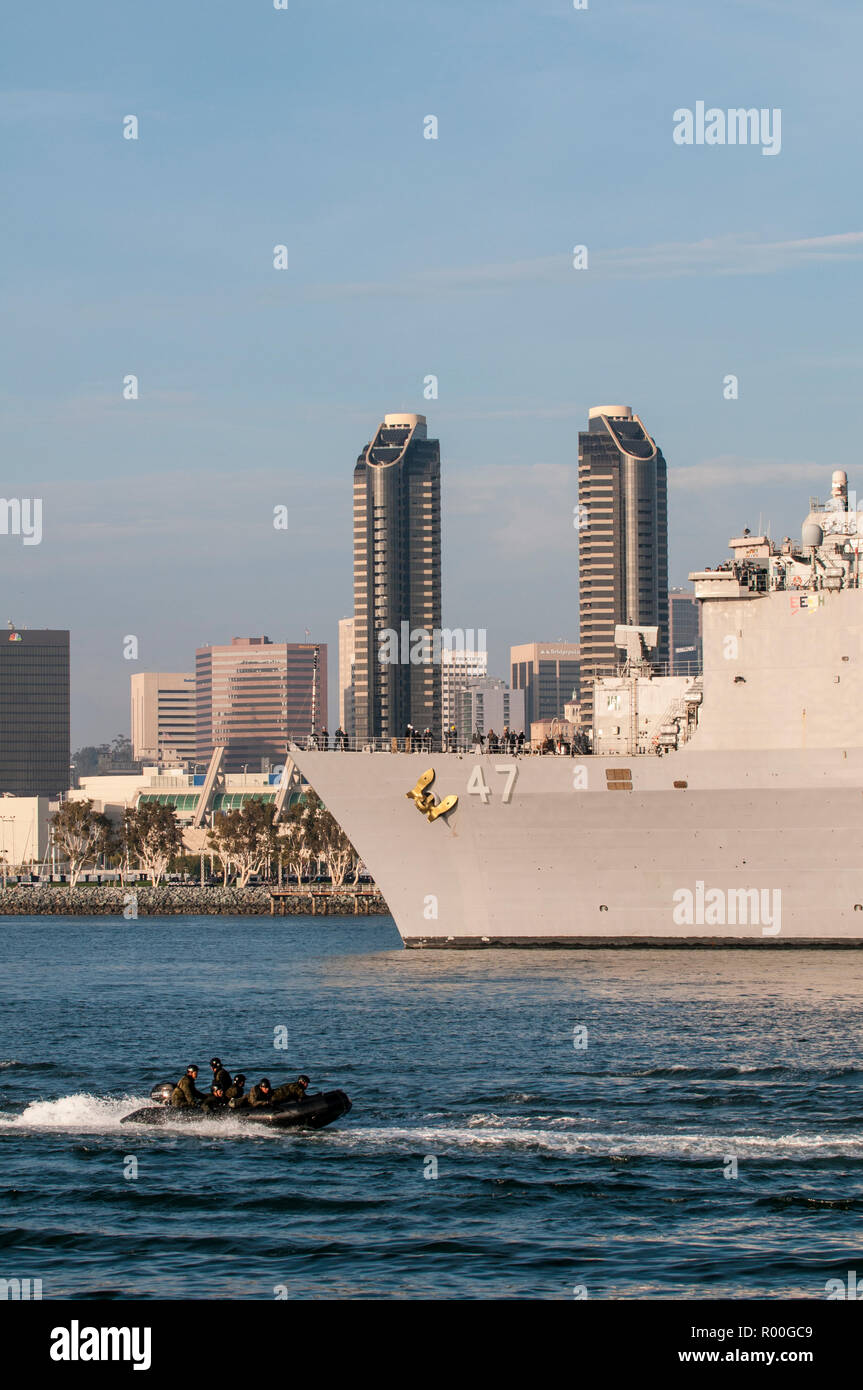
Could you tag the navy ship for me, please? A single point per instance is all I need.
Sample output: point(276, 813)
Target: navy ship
point(723, 808)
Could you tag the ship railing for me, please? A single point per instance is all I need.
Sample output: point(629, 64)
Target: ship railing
point(625, 671)
point(419, 745)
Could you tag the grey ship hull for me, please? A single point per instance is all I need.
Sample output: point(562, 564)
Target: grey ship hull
point(772, 838)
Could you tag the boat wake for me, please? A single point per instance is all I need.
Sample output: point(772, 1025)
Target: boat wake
point(696, 1147)
point(84, 1113)
point(561, 1136)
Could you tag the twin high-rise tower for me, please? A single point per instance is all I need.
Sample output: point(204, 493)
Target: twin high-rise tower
point(623, 562)
point(397, 579)
point(623, 539)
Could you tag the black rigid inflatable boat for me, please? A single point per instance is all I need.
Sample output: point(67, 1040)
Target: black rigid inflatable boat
point(312, 1113)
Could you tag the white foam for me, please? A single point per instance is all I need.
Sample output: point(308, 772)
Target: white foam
point(84, 1113)
point(713, 1147)
point(81, 1111)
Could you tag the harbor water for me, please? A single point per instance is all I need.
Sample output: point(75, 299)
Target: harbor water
point(525, 1124)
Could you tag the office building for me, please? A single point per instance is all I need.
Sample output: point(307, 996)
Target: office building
point(255, 696)
point(458, 668)
point(623, 545)
point(397, 580)
point(163, 717)
point(548, 673)
point(684, 633)
point(34, 712)
point(489, 704)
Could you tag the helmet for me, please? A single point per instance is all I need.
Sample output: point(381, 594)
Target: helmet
point(215, 1061)
point(239, 1079)
point(191, 1067)
point(264, 1081)
point(304, 1080)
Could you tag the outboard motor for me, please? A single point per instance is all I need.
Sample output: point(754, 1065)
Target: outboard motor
point(162, 1093)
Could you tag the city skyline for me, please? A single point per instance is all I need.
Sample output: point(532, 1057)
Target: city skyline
point(255, 383)
point(333, 696)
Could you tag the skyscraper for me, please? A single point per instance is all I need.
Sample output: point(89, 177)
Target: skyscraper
point(255, 695)
point(397, 579)
point(163, 716)
point(34, 712)
point(623, 530)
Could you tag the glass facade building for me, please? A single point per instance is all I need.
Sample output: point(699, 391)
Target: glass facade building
point(548, 673)
point(34, 712)
point(623, 540)
point(397, 579)
point(684, 629)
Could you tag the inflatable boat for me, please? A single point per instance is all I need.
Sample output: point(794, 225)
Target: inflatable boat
point(312, 1113)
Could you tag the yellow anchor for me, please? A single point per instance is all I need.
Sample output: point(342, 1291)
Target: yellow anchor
point(424, 799)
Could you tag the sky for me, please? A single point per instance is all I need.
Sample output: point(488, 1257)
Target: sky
point(407, 258)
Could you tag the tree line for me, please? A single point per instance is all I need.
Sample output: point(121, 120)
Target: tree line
point(246, 840)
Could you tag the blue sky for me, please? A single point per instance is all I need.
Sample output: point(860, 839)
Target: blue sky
point(407, 257)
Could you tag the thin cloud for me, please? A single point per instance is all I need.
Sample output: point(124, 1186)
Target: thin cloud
point(731, 255)
point(734, 472)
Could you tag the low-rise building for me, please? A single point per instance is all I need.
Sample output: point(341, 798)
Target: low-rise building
point(25, 831)
point(113, 794)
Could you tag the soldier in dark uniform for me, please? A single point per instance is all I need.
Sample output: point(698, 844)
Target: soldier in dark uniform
point(215, 1101)
point(262, 1094)
point(294, 1090)
point(221, 1077)
point(237, 1089)
point(186, 1092)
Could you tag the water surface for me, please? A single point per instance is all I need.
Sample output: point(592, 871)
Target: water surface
point(558, 1167)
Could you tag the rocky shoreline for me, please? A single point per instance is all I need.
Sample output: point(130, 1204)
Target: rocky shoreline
point(171, 900)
